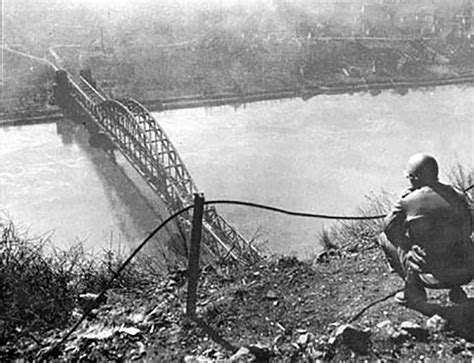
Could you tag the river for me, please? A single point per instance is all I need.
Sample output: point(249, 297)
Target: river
point(322, 155)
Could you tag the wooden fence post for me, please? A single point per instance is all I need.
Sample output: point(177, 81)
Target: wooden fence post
point(194, 253)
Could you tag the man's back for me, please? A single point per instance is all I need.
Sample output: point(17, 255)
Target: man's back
point(427, 236)
point(438, 220)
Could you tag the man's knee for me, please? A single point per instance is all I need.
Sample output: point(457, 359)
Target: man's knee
point(388, 247)
point(382, 240)
point(396, 256)
point(445, 279)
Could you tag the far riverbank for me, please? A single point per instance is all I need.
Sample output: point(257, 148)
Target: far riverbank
point(21, 117)
point(28, 117)
point(401, 86)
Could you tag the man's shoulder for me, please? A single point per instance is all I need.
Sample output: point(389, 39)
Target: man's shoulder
point(412, 193)
point(433, 193)
point(415, 195)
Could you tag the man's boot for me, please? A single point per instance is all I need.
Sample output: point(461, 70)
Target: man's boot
point(457, 295)
point(414, 292)
point(411, 295)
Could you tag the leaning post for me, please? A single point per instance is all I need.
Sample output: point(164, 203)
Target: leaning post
point(194, 252)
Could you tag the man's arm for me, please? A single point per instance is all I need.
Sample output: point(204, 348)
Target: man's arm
point(395, 226)
point(470, 208)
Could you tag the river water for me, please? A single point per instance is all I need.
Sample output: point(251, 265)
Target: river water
point(322, 155)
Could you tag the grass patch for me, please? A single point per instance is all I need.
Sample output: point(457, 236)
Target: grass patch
point(358, 235)
point(40, 286)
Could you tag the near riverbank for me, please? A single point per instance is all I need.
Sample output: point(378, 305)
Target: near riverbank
point(335, 306)
point(280, 310)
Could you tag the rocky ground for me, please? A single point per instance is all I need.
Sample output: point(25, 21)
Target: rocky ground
point(280, 310)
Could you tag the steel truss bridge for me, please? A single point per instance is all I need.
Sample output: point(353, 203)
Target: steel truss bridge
point(128, 126)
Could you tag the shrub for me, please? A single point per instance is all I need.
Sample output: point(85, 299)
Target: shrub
point(362, 234)
point(40, 286)
point(461, 177)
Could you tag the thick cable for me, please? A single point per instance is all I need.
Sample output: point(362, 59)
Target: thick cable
point(292, 213)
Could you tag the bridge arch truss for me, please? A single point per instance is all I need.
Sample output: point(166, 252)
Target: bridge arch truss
point(135, 132)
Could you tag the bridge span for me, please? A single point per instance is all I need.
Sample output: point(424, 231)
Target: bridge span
point(128, 126)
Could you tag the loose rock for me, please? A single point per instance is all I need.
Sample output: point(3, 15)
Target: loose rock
point(436, 323)
point(355, 338)
point(414, 330)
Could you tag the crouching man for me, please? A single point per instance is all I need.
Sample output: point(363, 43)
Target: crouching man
point(427, 236)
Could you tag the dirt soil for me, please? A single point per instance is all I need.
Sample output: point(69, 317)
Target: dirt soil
point(280, 310)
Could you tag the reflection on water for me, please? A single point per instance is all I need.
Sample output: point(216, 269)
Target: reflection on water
point(321, 155)
point(54, 181)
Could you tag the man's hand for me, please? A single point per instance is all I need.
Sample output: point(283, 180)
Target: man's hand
point(416, 259)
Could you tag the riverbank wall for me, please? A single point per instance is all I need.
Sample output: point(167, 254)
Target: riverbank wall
point(22, 118)
point(402, 86)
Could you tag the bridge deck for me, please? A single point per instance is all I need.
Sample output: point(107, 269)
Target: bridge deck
point(132, 129)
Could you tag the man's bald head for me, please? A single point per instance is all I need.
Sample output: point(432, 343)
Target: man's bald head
point(422, 169)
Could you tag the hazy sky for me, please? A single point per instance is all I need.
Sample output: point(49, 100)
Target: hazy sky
point(190, 3)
